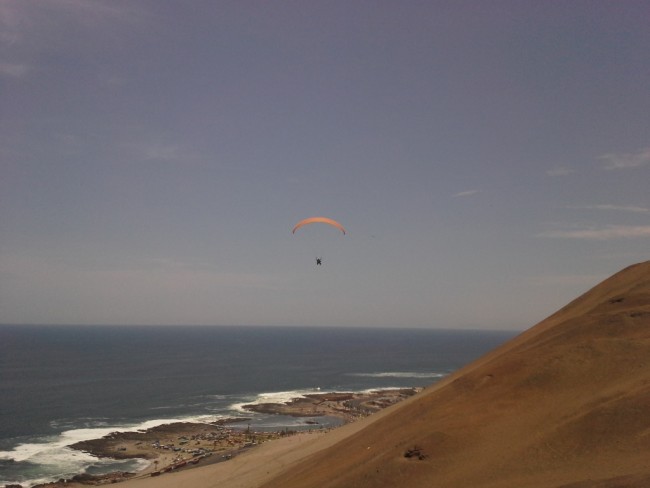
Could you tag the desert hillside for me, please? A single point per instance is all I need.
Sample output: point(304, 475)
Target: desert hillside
point(565, 404)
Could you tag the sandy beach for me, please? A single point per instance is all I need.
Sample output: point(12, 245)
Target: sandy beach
point(248, 467)
point(255, 467)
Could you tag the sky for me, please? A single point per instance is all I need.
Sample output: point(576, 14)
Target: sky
point(489, 160)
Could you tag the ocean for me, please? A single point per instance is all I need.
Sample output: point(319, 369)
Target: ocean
point(63, 384)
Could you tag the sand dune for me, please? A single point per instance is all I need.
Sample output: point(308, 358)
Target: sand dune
point(565, 404)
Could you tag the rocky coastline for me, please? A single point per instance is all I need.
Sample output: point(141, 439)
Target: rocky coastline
point(346, 405)
point(184, 445)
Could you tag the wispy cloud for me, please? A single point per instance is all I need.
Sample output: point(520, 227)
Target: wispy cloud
point(114, 81)
point(626, 161)
point(559, 171)
point(13, 70)
point(601, 233)
point(16, 15)
point(11, 13)
point(157, 151)
point(95, 8)
point(622, 208)
point(162, 152)
point(39, 24)
point(465, 193)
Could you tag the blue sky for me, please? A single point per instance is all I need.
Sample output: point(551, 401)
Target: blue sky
point(490, 160)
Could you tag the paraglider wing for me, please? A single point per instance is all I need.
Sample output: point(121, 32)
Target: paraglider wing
point(321, 220)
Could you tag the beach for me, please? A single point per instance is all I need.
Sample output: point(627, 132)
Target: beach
point(258, 466)
point(254, 467)
point(249, 468)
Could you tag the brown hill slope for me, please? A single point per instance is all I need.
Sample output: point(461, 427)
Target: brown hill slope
point(565, 404)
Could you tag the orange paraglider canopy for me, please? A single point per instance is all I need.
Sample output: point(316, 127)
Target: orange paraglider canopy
point(321, 220)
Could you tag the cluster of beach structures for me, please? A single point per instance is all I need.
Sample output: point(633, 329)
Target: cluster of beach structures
point(183, 445)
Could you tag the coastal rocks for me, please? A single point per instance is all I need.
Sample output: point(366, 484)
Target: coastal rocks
point(183, 445)
point(89, 479)
point(130, 445)
point(84, 479)
point(61, 483)
point(348, 406)
point(170, 447)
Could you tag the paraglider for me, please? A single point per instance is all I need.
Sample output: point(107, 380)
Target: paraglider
point(319, 220)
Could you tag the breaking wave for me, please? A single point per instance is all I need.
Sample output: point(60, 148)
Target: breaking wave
point(273, 397)
point(52, 458)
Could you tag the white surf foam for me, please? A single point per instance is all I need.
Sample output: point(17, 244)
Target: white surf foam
point(55, 459)
point(53, 450)
point(274, 397)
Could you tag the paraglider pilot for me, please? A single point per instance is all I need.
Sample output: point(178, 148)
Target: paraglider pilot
point(319, 261)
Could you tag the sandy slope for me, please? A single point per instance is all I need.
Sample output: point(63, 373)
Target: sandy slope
point(245, 470)
point(565, 404)
point(253, 467)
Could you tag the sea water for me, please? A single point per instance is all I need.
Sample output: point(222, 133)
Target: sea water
point(63, 384)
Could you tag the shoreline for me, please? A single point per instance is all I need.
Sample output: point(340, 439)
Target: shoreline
point(348, 406)
point(184, 445)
